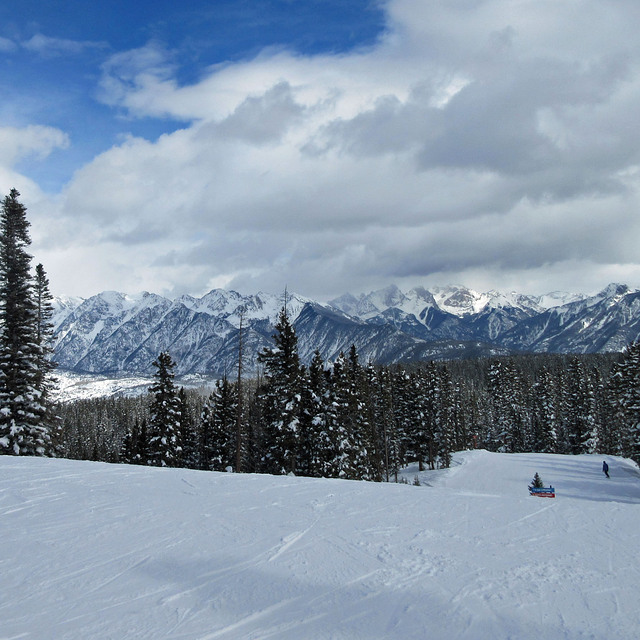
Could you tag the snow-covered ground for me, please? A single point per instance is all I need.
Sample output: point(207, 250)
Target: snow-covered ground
point(77, 386)
point(92, 550)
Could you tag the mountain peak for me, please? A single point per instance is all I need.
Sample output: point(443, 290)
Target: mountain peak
point(614, 290)
point(115, 332)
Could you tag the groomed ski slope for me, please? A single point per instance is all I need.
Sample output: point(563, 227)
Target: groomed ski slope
point(98, 551)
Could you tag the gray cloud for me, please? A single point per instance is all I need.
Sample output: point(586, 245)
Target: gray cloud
point(483, 142)
point(263, 119)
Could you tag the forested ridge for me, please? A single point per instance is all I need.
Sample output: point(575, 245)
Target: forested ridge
point(352, 420)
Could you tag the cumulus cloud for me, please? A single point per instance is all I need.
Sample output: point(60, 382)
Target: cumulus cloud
point(484, 139)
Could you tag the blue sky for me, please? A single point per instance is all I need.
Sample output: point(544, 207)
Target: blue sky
point(324, 146)
point(53, 53)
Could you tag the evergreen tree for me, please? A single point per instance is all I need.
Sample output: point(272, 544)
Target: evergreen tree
point(218, 428)
point(359, 419)
point(44, 325)
point(499, 406)
point(422, 412)
point(387, 426)
point(134, 444)
point(142, 445)
point(240, 436)
point(129, 444)
point(625, 401)
point(24, 405)
point(444, 427)
point(437, 410)
point(315, 444)
point(545, 423)
point(165, 446)
point(510, 428)
point(281, 400)
point(189, 432)
point(613, 431)
point(346, 425)
point(45, 381)
point(581, 424)
point(378, 408)
point(537, 483)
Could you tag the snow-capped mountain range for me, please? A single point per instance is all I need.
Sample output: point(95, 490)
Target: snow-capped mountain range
point(113, 333)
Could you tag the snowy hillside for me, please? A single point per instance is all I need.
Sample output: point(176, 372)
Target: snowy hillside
point(73, 386)
point(103, 551)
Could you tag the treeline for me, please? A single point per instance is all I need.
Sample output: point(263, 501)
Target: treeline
point(359, 421)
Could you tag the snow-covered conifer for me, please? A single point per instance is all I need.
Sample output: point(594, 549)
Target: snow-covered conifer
point(25, 414)
point(544, 436)
point(281, 400)
point(165, 446)
point(315, 444)
point(218, 427)
point(625, 400)
point(345, 423)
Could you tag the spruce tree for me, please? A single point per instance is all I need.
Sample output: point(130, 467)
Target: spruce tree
point(386, 424)
point(545, 420)
point(403, 406)
point(45, 381)
point(189, 432)
point(500, 424)
point(312, 422)
point(165, 445)
point(281, 400)
point(24, 405)
point(218, 428)
point(582, 417)
point(510, 428)
point(133, 449)
point(346, 422)
point(434, 409)
point(445, 417)
point(625, 398)
point(376, 403)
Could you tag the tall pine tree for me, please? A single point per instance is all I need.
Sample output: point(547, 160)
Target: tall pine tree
point(281, 400)
point(165, 445)
point(218, 429)
point(24, 405)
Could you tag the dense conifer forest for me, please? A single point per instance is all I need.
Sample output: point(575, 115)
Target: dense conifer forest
point(352, 420)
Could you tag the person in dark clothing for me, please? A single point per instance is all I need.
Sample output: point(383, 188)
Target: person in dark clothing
point(605, 468)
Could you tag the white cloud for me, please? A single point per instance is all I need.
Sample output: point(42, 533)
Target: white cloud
point(34, 140)
point(479, 139)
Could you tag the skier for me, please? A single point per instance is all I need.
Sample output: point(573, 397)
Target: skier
point(605, 468)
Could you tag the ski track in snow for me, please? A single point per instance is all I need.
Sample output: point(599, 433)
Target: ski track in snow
point(113, 551)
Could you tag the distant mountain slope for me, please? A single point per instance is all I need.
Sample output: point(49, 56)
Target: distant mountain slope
point(113, 333)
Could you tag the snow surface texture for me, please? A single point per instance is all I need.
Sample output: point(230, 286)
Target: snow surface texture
point(92, 550)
